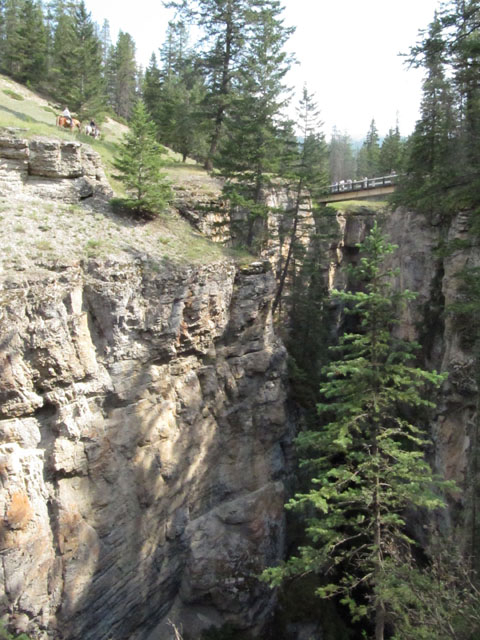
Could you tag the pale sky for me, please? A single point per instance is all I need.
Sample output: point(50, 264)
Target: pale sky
point(347, 52)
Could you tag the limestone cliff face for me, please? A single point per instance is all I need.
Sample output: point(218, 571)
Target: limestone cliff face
point(50, 169)
point(143, 430)
point(144, 436)
point(434, 276)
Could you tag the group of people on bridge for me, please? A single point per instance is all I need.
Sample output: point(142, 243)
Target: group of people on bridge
point(67, 121)
point(362, 183)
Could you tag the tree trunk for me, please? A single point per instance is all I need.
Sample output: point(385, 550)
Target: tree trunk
point(293, 237)
point(224, 91)
point(379, 621)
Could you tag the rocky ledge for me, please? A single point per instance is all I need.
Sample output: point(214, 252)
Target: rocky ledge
point(51, 169)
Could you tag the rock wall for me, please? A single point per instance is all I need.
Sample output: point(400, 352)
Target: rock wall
point(425, 267)
point(435, 274)
point(51, 169)
point(144, 438)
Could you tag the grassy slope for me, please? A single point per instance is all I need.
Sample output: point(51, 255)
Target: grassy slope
point(39, 232)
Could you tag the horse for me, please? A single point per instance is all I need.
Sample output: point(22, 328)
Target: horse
point(92, 131)
point(62, 121)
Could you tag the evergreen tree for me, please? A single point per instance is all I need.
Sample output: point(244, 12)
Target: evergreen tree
point(106, 42)
point(139, 162)
point(341, 157)
point(3, 34)
point(61, 20)
point(152, 88)
point(174, 53)
point(366, 460)
point(109, 76)
point(432, 161)
point(369, 154)
point(175, 95)
point(307, 177)
point(224, 24)
point(30, 57)
point(463, 45)
point(124, 68)
point(251, 151)
point(391, 153)
point(78, 73)
point(11, 26)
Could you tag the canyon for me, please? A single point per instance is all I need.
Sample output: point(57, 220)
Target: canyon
point(146, 427)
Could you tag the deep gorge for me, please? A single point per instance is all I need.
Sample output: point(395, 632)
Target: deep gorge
point(146, 428)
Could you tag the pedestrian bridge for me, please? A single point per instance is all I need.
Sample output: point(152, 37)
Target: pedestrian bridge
point(364, 189)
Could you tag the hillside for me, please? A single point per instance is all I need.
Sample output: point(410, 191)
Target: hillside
point(37, 230)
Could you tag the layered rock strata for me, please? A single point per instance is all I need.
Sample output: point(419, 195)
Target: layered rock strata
point(52, 169)
point(144, 438)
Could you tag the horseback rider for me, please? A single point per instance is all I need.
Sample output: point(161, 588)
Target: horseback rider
point(66, 113)
point(94, 128)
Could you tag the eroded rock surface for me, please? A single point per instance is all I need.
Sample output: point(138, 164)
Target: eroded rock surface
point(143, 443)
point(52, 169)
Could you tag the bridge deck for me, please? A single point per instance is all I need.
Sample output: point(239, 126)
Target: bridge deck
point(361, 194)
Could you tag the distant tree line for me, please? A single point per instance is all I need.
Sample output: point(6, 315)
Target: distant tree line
point(56, 48)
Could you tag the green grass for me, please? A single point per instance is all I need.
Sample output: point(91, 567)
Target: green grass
point(30, 115)
point(13, 94)
point(357, 206)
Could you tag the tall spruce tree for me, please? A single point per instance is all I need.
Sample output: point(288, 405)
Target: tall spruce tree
point(77, 64)
point(30, 57)
point(306, 177)
point(11, 24)
point(250, 153)
point(152, 88)
point(139, 164)
point(341, 157)
point(390, 159)
point(366, 460)
point(224, 24)
point(432, 160)
point(124, 75)
point(175, 95)
point(368, 158)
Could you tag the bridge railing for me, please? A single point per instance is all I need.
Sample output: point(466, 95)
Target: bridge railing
point(364, 183)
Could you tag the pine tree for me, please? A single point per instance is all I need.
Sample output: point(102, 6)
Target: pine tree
point(124, 69)
point(77, 61)
point(366, 459)
point(175, 95)
point(391, 152)
point(11, 25)
point(369, 154)
point(224, 24)
point(250, 153)
point(30, 58)
point(106, 41)
point(152, 88)
point(139, 162)
point(341, 157)
point(432, 159)
point(307, 177)
point(463, 45)
point(3, 34)
point(174, 53)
